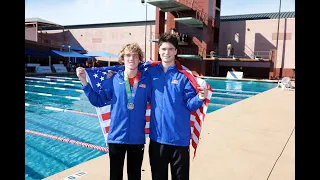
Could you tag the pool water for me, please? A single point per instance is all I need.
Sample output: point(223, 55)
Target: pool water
point(45, 157)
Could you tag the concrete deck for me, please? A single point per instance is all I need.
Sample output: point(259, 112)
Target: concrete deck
point(252, 139)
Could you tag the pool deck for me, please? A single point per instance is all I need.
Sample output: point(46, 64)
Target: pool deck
point(252, 139)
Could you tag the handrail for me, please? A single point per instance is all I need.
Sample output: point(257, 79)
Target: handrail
point(189, 50)
point(185, 2)
point(199, 44)
point(200, 14)
point(261, 54)
point(246, 54)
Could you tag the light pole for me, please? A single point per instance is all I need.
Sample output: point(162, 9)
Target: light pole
point(280, 74)
point(145, 30)
point(69, 51)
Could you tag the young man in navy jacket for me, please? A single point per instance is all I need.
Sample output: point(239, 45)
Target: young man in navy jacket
point(173, 99)
point(128, 92)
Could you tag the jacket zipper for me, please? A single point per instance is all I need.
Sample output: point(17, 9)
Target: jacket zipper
point(129, 111)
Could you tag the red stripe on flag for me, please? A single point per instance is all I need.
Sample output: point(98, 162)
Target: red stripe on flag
point(201, 110)
point(191, 123)
point(147, 130)
point(206, 101)
point(197, 118)
point(194, 145)
point(105, 116)
point(196, 132)
point(192, 126)
point(107, 129)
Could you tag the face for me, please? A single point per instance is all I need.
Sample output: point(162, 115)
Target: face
point(167, 52)
point(131, 60)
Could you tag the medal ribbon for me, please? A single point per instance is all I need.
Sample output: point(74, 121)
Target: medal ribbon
point(131, 91)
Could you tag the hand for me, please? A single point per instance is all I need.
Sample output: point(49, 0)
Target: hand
point(81, 75)
point(110, 74)
point(203, 93)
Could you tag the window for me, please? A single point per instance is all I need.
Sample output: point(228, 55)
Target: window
point(236, 37)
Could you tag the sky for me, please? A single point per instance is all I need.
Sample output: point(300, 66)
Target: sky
point(73, 12)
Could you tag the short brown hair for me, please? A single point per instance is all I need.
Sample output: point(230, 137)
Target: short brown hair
point(132, 47)
point(170, 38)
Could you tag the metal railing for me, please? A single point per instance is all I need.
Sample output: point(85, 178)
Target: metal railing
point(201, 51)
point(262, 54)
point(185, 2)
point(199, 13)
point(246, 54)
point(188, 50)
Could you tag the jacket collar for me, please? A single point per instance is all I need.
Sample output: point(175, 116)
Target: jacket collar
point(120, 75)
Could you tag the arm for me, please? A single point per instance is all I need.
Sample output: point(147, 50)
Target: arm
point(100, 98)
point(191, 97)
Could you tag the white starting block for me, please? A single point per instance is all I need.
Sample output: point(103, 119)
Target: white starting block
point(43, 69)
point(234, 75)
point(59, 68)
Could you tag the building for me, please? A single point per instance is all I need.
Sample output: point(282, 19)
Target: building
point(253, 37)
point(37, 40)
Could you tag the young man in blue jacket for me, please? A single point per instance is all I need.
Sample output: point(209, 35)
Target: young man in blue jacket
point(128, 92)
point(173, 99)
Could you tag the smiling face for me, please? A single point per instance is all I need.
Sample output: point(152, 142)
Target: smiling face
point(131, 60)
point(167, 52)
point(130, 55)
point(168, 44)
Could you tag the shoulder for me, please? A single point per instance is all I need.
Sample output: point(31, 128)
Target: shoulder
point(183, 76)
point(145, 75)
point(113, 77)
point(152, 68)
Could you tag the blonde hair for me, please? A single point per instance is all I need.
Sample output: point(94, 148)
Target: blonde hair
point(132, 48)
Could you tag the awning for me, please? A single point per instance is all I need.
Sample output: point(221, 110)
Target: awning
point(50, 53)
point(69, 54)
point(28, 51)
point(101, 54)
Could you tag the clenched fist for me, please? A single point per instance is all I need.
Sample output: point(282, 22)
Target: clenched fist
point(203, 93)
point(82, 75)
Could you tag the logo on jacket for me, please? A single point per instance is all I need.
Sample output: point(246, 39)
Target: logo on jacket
point(142, 85)
point(174, 81)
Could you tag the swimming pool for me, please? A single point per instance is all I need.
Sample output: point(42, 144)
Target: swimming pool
point(54, 105)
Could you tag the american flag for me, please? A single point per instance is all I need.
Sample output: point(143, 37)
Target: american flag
point(97, 76)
